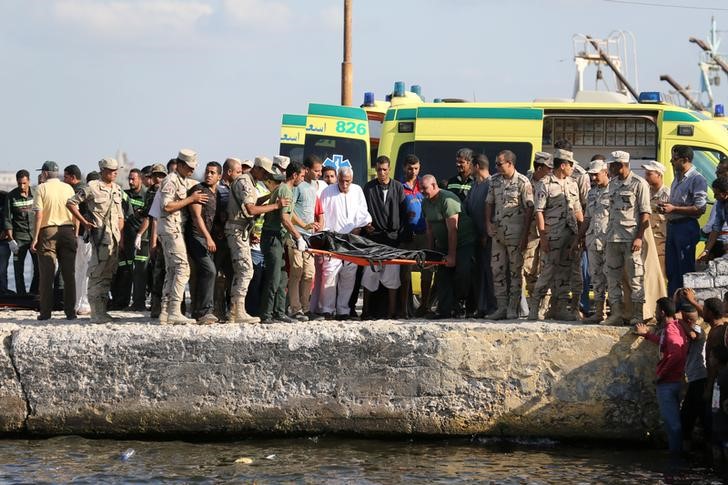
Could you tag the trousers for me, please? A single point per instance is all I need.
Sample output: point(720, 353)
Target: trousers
point(101, 269)
point(682, 237)
point(557, 266)
point(275, 278)
point(204, 289)
point(177, 267)
point(239, 245)
point(507, 262)
point(300, 278)
point(56, 244)
point(620, 258)
point(338, 279)
point(19, 269)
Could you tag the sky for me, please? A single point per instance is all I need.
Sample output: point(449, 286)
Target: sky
point(84, 79)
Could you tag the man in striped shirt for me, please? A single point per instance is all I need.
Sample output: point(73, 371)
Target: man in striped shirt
point(18, 223)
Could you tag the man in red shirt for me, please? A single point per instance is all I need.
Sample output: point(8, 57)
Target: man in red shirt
point(673, 342)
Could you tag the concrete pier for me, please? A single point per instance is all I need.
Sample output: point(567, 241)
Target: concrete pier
point(385, 377)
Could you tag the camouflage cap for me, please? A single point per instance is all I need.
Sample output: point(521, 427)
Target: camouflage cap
point(188, 157)
point(654, 166)
point(108, 164)
point(597, 166)
point(619, 156)
point(159, 168)
point(281, 161)
point(265, 163)
point(566, 155)
point(544, 158)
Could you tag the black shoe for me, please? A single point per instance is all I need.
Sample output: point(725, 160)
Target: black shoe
point(71, 317)
point(343, 318)
point(328, 316)
point(139, 308)
point(284, 319)
point(43, 317)
point(314, 316)
point(267, 321)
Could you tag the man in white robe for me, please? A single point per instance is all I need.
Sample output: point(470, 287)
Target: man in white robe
point(345, 212)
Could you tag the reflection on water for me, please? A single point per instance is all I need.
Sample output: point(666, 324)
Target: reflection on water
point(332, 460)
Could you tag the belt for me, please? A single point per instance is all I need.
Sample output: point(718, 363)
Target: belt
point(681, 220)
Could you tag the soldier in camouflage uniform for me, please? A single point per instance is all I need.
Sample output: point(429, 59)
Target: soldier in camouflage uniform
point(629, 217)
point(593, 235)
point(543, 164)
point(582, 181)
point(659, 193)
point(242, 210)
point(508, 211)
point(103, 201)
point(174, 198)
point(558, 216)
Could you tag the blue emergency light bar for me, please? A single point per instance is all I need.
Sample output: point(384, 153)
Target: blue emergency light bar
point(651, 97)
point(368, 99)
point(719, 111)
point(398, 89)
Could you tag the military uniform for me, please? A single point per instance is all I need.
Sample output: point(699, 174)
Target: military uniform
point(597, 212)
point(132, 270)
point(104, 205)
point(170, 229)
point(658, 222)
point(581, 177)
point(532, 261)
point(510, 199)
point(628, 199)
point(558, 200)
point(238, 227)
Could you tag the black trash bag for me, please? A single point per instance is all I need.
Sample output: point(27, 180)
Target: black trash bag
point(361, 247)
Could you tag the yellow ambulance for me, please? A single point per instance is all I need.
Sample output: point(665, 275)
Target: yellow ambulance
point(648, 130)
point(293, 134)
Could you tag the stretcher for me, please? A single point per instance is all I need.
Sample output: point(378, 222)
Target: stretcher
point(363, 252)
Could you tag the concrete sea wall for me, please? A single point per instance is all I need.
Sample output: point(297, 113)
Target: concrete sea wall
point(374, 378)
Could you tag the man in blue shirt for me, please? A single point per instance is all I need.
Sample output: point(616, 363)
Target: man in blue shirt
point(720, 214)
point(688, 197)
point(414, 238)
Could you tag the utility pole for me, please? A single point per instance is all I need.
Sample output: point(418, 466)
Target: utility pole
point(347, 68)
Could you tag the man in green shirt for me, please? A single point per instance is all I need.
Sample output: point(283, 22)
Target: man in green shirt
point(451, 231)
point(275, 227)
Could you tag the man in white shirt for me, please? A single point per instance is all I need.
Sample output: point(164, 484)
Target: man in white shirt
point(345, 212)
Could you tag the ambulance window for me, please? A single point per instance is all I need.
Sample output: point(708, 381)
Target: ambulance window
point(705, 160)
point(340, 152)
point(295, 152)
point(601, 132)
point(438, 157)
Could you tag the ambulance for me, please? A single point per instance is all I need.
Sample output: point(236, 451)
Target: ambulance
point(594, 122)
point(293, 134)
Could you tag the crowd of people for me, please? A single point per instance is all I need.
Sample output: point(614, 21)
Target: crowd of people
point(535, 245)
point(597, 243)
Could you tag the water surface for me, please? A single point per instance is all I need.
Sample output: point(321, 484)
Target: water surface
point(332, 460)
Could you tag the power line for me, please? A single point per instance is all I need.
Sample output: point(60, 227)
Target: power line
point(666, 5)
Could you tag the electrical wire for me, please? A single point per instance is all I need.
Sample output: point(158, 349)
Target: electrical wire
point(666, 5)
